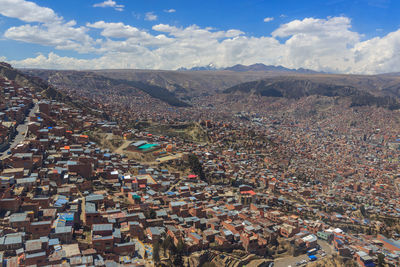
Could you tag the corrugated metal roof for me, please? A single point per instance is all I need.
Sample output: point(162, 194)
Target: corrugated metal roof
point(102, 227)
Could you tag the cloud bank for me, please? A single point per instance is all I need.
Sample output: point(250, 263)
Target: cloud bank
point(323, 44)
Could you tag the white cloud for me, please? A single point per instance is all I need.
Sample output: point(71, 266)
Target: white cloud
point(109, 61)
point(268, 19)
point(61, 36)
point(335, 25)
point(49, 30)
point(132, 36)
point(320, 44)
point(27, 11)
point(327, 44)
point(150, 16)
point(115, 30)
point(170, 10)
point(378, 55)
point(110, 3)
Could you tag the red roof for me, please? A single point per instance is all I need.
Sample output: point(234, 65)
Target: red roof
point(251, 192)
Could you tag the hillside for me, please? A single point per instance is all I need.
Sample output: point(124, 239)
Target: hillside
point(47, 90)
point(93, 83)
point(178, 88)
point(301, 87)
point(194, 83)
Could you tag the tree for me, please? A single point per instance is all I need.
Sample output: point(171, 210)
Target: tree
point(362, 210)
point(178, 261)
point(180, 248)
point(166, 245)
point(150, 214)
point(179, 251)
point(156, 252)
point(153, 214)
point(196, 167)
point(381, 260)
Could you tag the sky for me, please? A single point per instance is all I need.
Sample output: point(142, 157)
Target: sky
point(338, 36)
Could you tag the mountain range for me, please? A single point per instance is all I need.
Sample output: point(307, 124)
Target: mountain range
point(254, 67)
point(177, 88)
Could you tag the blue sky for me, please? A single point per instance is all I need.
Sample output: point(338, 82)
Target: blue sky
point(360, 36)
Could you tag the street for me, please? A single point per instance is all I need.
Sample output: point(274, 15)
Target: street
point(21, 131)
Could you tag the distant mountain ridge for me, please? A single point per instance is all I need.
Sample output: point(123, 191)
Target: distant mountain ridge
point(199, 68)
point(262, 67)
point(302, 87)
point(254, 67)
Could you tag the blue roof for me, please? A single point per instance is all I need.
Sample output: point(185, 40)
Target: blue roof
point(67, 216)
point(54, 241)
point(391, 242)
point(312, 257)
point(60, 202)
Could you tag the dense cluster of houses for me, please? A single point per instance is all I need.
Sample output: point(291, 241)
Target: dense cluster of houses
point(15, 101)
point(65, 200)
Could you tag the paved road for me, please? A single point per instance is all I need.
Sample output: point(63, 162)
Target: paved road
point(291, 261)
point(21, 131)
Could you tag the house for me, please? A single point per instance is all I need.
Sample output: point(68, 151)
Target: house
point(38, 259)
point(287, 230)
point(12, 241)
point(63, 233)
point(102, 229)
point(154, 233)
point(363, 259)
point(326, 236)
point(40, 228)
point(310, 241)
